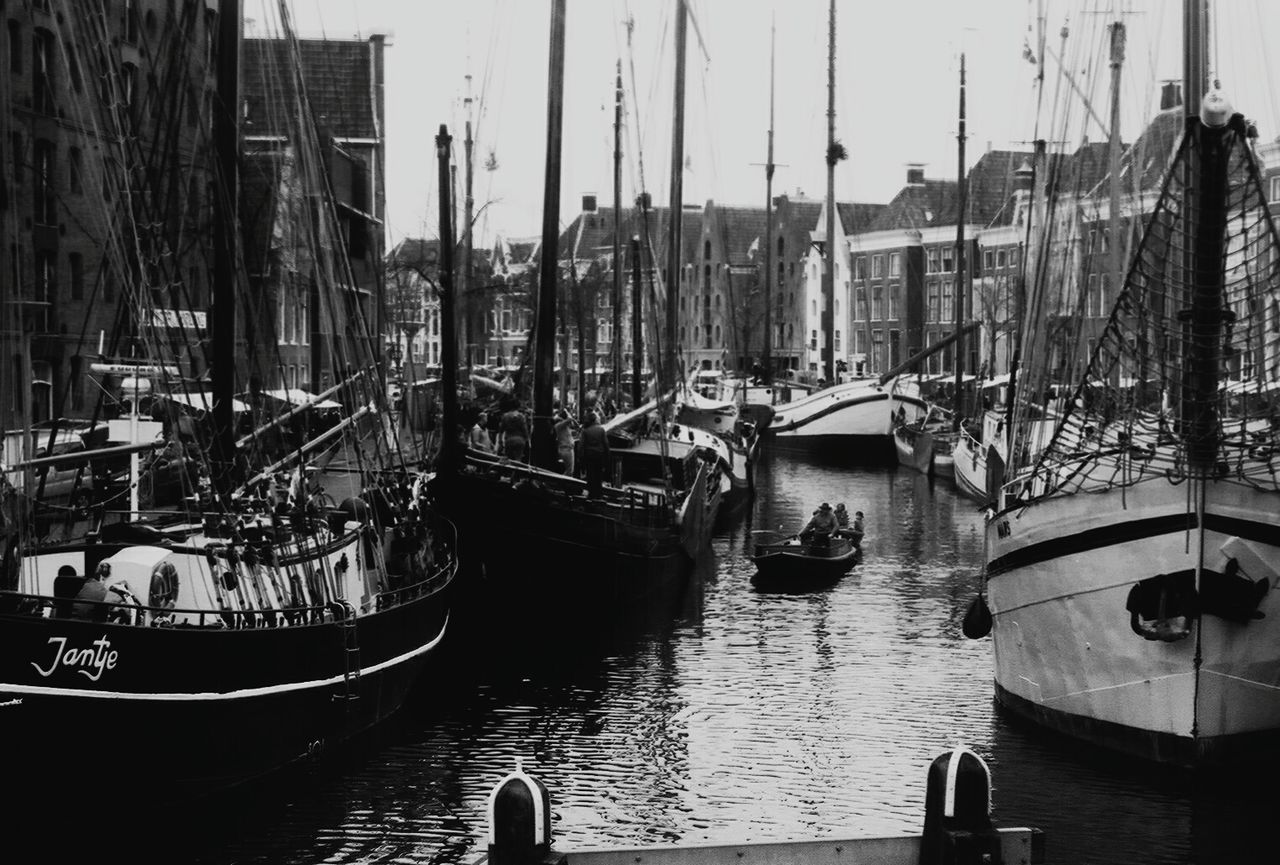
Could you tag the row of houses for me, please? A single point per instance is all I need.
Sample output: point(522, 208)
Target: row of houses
point(900, 285)
point(109, 187)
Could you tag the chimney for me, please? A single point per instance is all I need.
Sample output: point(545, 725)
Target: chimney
point(1170, 95)
point(589, 202)
point(1022, 177)
point(915, 174)
point(644, 201)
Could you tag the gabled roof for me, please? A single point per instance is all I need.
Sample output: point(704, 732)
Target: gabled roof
point(920, 205)
point(590, 235)
point(857, 217)
point(739, 228)
point(337, 79)
point(937, 202)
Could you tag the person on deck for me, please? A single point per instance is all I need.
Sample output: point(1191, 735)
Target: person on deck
point(595, 454)
point(821, 526)
point(564, 439)
point(515, 431)
point(478, 438)
point(94, 589)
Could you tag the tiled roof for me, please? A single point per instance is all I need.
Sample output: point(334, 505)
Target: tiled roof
point(856, 217)
point(337, 80)
point(921, 205)
point(425, 253)
point(739, 228)
point(590, 235)
point(936, 202)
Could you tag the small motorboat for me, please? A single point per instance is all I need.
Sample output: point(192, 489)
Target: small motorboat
point(804, 563)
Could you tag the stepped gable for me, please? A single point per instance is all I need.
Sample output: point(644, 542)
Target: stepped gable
point(336, 73)
point(590, 235)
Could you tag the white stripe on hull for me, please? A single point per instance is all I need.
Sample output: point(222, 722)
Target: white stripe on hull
point(970, 470)
point(1062, 637)
point(869, 412)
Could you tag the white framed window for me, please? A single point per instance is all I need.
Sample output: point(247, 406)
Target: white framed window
point(895, 264)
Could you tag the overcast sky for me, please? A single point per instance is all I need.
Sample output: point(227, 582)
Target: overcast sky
point(897, 66)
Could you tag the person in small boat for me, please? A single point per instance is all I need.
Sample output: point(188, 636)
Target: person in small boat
point(857, 522)
point(820, 528)
point(842, 516)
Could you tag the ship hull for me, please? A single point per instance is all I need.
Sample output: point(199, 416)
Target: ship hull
point(850, 421)
point(1070, 652)
point(183, 712)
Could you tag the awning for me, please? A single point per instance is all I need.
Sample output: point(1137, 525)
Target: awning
point(201, 401)
point(297, 396)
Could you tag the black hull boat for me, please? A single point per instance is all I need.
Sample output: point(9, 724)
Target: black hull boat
point(189, 700)
point(542, 541)
point(795, 564)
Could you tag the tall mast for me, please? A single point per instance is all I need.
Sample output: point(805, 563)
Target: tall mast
point(766, 360)
point(616, 360)
point(637, 324)
point(448, 308)
point(544, 446)
point(962, 188)
point(1114, 216)
point(226, 134)
point(1203, 311)
point(828, 273)
point(468, 203)
point(677, 205)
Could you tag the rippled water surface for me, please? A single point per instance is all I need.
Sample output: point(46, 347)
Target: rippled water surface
point(729, 715)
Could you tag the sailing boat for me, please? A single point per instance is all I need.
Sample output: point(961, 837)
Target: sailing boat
point(633, 540)
point(1131, 562)
point(851, 419)
point(926, 444)
point(254, 623)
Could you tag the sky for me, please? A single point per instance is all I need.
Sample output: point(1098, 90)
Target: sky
point(897, 71)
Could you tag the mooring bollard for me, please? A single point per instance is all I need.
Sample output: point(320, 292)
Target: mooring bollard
point(957, 812)
point(520, 821)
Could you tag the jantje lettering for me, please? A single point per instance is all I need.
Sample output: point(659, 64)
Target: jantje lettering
point(91, 662)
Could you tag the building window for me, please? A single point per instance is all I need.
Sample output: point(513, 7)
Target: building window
point(706, 277)
point(717, 333)
point(877, 349)
point(860, 267)
point(42, 54)
point(131, 21)
point(46, 288)
point(860, 312)
point(1001, 258)
point(894, 291)
point(948, 260)
point(813, 306)
point(988, 259)
point(947, 313)
point(15, 47)
point(75, 263)
point(1093, 302)
point(895, 264)
point(837, 341)
point(877, 266)
point(75, 170)
point(933, 261)
point(813, 340)
point(877, 303)
point(931, 303)
point(1013, 258)
point(45, 200)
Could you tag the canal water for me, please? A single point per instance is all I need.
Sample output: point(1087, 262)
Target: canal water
point(729, 715)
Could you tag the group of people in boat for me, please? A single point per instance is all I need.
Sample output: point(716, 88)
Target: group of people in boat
point(827, 522)
point(582, 444)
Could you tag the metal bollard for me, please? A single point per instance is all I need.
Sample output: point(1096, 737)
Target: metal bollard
point(520, 821)
point(957, 812)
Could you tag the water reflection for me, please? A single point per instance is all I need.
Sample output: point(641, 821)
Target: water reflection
point(730, 714)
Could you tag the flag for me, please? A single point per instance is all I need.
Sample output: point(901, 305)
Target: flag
point(753, 248)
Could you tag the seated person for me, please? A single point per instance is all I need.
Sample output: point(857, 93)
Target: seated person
point(842, 516)
point(821, 526)
point(94, 589)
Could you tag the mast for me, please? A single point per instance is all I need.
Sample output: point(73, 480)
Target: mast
point(668, 378)
point(828, 272)
point(468, 203)
point(637, 324)
point(226, 136)
point(616, 360)
point(962, 189)
point(1203, 310)
point(1114, 216)
point(766, 360)
point(448, 326)
point(544, 446)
